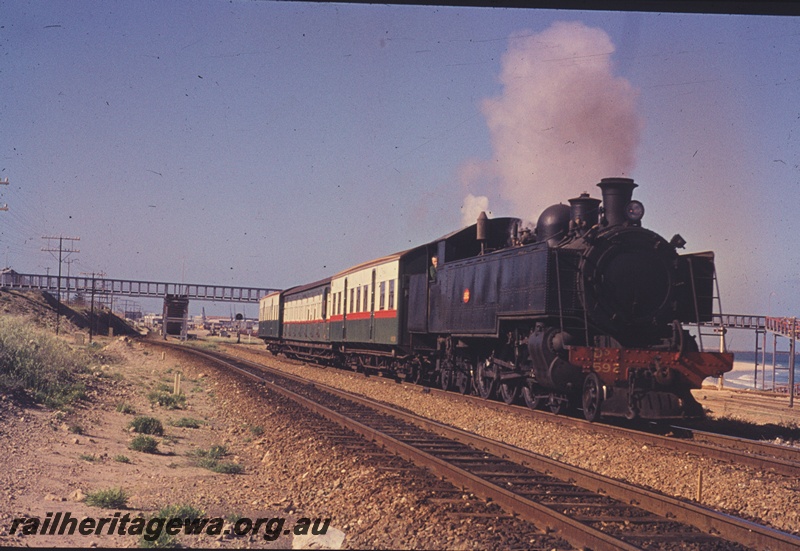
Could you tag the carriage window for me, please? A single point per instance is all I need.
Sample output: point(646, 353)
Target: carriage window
point(391, 295)
point(382, 301)
point(358, 298)
point(352, 301)
point(366, 294)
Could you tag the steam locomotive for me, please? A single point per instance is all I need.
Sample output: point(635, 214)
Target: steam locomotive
point(585, 311)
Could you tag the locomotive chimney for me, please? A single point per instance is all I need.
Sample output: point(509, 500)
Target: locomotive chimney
point(481, 230)
point(584, 213)
point(617, 193)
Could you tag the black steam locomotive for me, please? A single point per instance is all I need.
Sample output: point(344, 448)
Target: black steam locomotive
point(586, 310)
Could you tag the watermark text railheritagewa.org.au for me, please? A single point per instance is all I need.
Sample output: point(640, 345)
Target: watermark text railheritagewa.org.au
point(59, 524)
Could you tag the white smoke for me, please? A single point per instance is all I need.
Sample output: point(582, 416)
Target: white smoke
point(562, 122)
point(472, 207)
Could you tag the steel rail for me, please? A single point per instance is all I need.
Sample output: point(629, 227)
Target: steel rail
point(576, 533)
point(734, 529)
point(789, 453)
point(765, 456)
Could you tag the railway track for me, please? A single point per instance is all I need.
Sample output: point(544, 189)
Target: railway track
point(765, 456)
point(586, 509)
point(761, 455)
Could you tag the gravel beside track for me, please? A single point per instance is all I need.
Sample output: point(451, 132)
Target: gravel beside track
point(378, 501)
point(759, 496)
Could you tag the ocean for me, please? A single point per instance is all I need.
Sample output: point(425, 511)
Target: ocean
point(743, 372)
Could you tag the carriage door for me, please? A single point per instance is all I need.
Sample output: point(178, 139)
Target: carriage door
point(344, 312)
point(372, 309)
point(326, 292)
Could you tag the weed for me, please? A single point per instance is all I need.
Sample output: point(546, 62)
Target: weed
point(127, 409)
point(88, 457)
point(33, 361)
point(169, 401)
point(75, 428)
point(114, 498)
point(187, 422)
point(214, 452)
point(147, 425)
point(210, 459)
point(227, 467)
point(145, 444)
point(257, 430)
point(186, 512)
point(122, 459)
point(233, 517)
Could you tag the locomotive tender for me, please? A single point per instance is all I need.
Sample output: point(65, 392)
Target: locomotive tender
point(586, 310)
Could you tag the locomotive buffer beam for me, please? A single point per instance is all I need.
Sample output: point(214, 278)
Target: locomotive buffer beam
point(613, 364)
point(649, 384)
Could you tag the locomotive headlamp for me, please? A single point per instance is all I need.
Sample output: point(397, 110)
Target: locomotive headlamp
point(634, 211)
point(677, 241)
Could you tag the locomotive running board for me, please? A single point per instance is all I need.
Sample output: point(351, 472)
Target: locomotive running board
point(613, 364)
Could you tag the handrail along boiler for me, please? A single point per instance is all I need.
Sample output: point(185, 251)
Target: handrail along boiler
point(586, 310)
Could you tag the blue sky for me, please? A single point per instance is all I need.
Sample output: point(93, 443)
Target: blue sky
point(271, 144)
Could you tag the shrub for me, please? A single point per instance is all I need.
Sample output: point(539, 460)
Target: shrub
point(122, 459)
point(227, 467)
point(258, 430)
point(147, 425)
point(223, 467)
point(170, 511)
point(32, 360)
point(214, 452)
point(145, 444)
point(210, 459)
point(114, 498)
point(126, 408)
point(169, 401)
point(187, 422)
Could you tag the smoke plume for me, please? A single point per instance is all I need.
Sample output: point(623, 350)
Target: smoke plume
point(562, 122)
point(473, 206)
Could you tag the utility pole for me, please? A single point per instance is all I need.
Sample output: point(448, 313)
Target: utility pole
point(4, 182)
point(61, 252)
point(68, 262)
point(91, 310)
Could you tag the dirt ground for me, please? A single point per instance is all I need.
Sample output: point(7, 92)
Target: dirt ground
point(754, 407)
point(53, 459)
